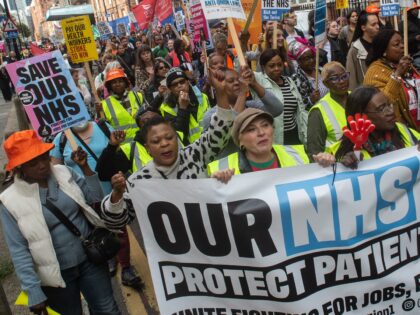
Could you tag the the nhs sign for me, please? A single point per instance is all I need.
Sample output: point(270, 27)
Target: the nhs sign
point(318, 213)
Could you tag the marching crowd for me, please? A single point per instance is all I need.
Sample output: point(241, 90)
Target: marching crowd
point(170, 111)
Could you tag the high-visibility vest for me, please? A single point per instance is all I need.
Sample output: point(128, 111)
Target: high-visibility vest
point(287, 155)
point(137, 154)
point(119, 118)
point(409, 137)
point(334, 117)
point(195, 129)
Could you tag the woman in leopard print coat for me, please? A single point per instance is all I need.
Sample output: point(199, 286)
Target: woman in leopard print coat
point(169, 161)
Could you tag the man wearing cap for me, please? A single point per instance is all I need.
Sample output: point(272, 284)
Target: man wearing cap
point(185, 106)
point(122, 105)
point(49, 259)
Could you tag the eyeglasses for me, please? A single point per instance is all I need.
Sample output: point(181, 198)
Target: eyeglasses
point(336, 79)
point(162, 68)
point(383, 109)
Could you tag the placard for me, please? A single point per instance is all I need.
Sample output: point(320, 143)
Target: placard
point(273, 10)
point(221, 9)
point(390, 8)
point(79, 39)
point(48, 93)
point(320, 21)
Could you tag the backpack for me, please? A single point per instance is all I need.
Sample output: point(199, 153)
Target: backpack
point(101, 124)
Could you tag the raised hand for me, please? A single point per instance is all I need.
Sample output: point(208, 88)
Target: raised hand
point(117, 137)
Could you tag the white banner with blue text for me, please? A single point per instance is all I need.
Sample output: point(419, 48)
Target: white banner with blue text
point(299, 240)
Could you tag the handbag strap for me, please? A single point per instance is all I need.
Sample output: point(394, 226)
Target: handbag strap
point(63, 219)
point(85, 145)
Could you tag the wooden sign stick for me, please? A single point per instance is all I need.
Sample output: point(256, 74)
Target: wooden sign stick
point(275, 32)
point(395, 23)
point(250, 16)
point(405, 27)
point(70, 139)
point(92, 85)
point(236, 42)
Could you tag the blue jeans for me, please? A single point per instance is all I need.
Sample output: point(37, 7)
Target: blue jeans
point(93, 282)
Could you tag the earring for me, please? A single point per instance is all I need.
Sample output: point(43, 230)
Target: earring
point(384, 54)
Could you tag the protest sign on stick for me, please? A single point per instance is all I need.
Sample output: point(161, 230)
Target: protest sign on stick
point(273, 10)
point(298, 240)
point(251, 15)
point(79, 39)
point(81, 45)
point(48, 93)
point(220, 9)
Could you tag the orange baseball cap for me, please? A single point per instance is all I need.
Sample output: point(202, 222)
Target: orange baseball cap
point(115, 74)
point(23, 146)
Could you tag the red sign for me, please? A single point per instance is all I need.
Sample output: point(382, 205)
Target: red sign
point(144, 13)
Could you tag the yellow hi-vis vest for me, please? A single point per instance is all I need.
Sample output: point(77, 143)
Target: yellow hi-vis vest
point(287, 155)
point(334, 117)
point(409, 137)
point(137, 154)
point(195, 129)
point(119, 118)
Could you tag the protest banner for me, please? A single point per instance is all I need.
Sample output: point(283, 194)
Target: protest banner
point(299, 240)
point(201, 28)
point(220, 9)
point(104, 30)
point(341, 4)
point(79, 39)
point(273, 10)
point(144, 13)
point(253, 24)
point(121, 29)
point(179, 19)
point(390, 8)
point(48, 93)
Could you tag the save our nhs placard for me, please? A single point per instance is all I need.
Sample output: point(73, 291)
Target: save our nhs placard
point(48, 93)
point(299, 240)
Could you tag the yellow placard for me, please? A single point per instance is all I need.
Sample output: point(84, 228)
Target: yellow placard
point(23, 300)
point(80, 43)
point(341, 4)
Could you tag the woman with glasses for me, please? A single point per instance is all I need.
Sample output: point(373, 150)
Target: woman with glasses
point(157, 90)
point(393, 73)
point(389, 135)
point(327, 118)
point(185, 106)
point(304, 55)
point(144, 70)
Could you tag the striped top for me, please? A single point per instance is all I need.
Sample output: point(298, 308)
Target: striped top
point(290, 106)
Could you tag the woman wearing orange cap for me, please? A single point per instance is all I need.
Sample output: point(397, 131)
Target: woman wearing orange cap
point(49, 260)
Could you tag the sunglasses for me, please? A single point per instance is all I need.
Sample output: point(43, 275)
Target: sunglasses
point(339, 78)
